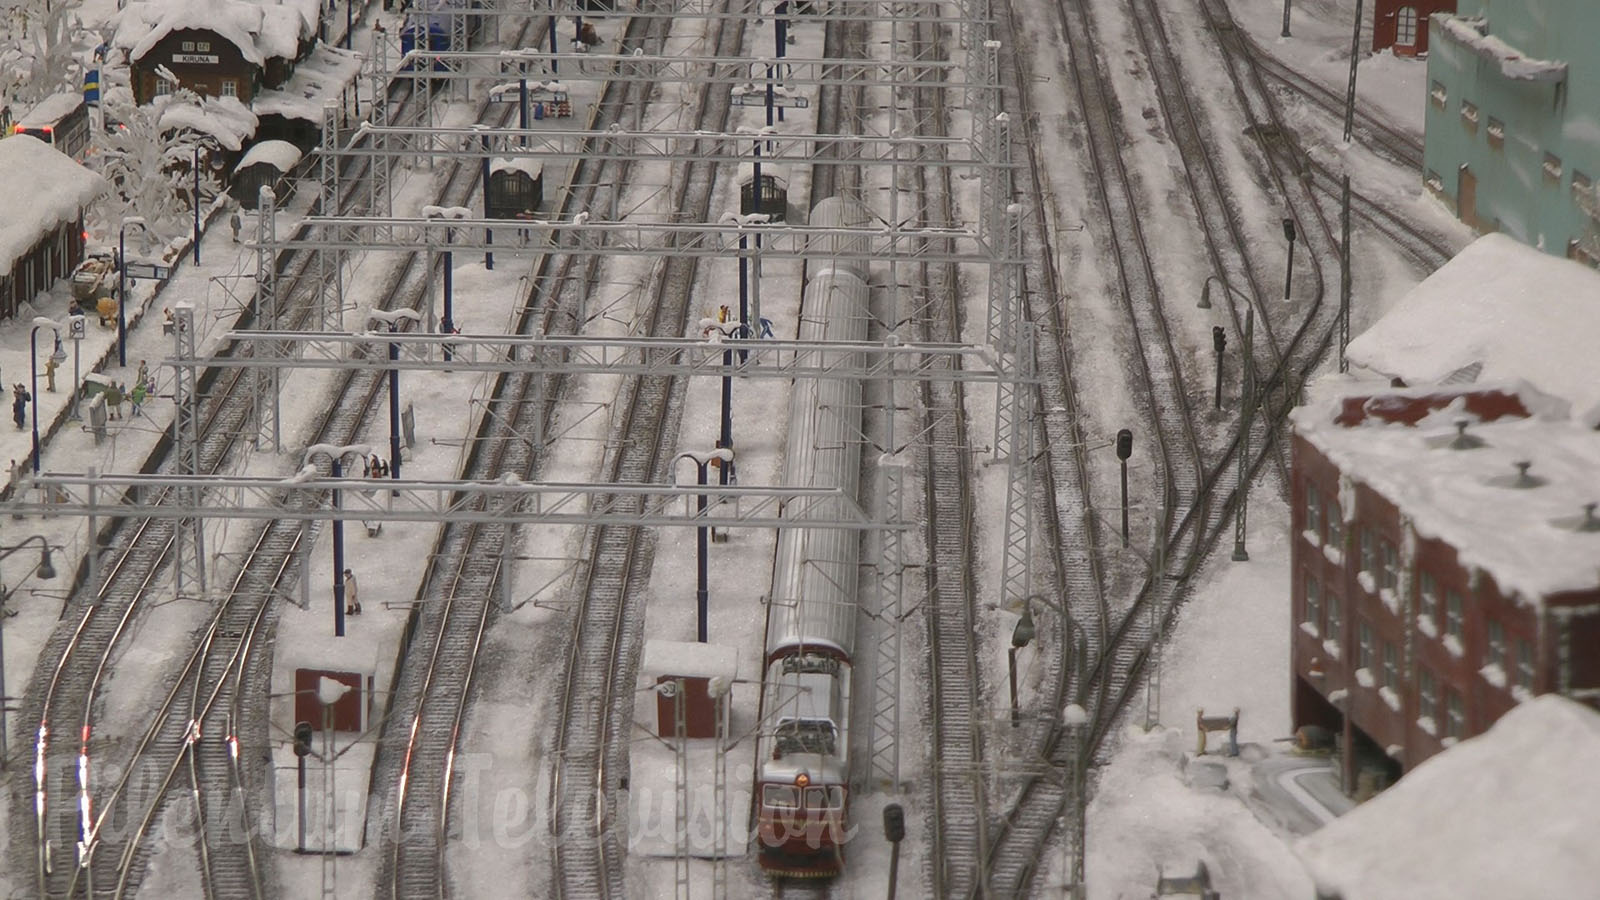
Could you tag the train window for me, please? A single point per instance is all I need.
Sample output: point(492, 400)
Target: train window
point(827, 797)
point(780, 796)
point(810, 664)
point(805, 736)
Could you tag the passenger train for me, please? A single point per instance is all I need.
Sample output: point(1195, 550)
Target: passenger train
point(803, 753)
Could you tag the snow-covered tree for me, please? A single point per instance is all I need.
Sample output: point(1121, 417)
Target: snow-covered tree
point(150, 171)
point(36, 55)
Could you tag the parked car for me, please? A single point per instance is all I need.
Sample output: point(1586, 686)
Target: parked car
point(94, 278)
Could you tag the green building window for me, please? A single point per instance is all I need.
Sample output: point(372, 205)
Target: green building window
point(1469, 116)
point(1496, 133)
point(1552, 168)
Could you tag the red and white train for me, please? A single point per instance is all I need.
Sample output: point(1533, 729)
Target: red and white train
point(803, 762)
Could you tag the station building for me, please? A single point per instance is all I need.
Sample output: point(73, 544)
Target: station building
point(1446, 534)
point(1513, 95)
point(41, 239)
point(1402, 25)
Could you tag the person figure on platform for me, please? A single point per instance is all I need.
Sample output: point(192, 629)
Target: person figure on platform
point(234, 224)
point(352, 600)
point(74, 308)
point(50, 366)
point(114, 395)
point(166, 320)
point(142, 379)
point(136, 399)
point(19, 405)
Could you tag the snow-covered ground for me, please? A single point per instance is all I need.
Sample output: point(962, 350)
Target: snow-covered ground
point(1229, 649)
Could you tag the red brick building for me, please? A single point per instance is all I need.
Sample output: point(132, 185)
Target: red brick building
point(1446, 567)
point(1403, 24)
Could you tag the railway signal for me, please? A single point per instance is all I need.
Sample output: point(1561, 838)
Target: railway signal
point(1124, 450)
point(894, 829)
point(302, 749)
point(1288, 277)
point(1219, 343)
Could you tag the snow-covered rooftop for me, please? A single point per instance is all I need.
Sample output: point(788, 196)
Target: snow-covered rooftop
point(225, 118)
point(234, 21)
point(1511, 309)
point(1509, 813)
point(528, 165)
point(1469, 32)
point(281, 155)
point(43, 188)
point(1527, 538)
point(318, 78)
point(51, 108)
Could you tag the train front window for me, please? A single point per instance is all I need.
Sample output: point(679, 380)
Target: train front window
point(829, 797)
point(805, 736)
point(780, 796)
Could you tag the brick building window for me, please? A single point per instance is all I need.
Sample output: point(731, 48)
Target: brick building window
point(1427, 701)
point(1495, 653)
point(1428, 604)
point(1335, 525)
point(1391, 665)
point(1455, 614)
point(1525, 665)
point(1369, 553)
point(1335, 623)
point(1496, 133)
point(1313, 512)
point(1405, 26)
point(1456, 726)
point(1437, 94)
point(1312, 623)
point(1391, 567)
point(1365, 648)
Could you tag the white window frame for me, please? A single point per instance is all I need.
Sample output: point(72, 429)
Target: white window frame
point(1405, 26)
point(230, 87)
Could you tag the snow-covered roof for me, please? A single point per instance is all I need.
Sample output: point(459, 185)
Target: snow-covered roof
point(51, 108)
point(282, 155)
point(1469, 32)
point(688, 660)
point(225, 118)
point(43, 188)
point(1507, 307)
point(533, 168)
point(1509, 813)
point(778, 171)
point(1526, 538)
point(318, 78)
point(234, 21)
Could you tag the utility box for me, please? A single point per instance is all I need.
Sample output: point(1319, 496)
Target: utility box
point(694, 665)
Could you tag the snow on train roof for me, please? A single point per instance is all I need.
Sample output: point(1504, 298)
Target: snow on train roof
point(1504, 814)
point(51, 108)
point(44, 189)
point(1530, 539)
point(1505, 307)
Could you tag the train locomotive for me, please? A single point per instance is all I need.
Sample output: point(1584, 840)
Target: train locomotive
point(433, 24)
point(803, 753)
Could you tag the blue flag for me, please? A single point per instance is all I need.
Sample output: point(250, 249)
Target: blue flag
point(91, 87)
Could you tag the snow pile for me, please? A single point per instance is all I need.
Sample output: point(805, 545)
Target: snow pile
point(1505, 814)
point(1527, 536)
point(318, 78)
point(226, 119)
point(533, 168)
point(281, 155)
point(45, 188)
point(1468, 32)
point(1517, 312)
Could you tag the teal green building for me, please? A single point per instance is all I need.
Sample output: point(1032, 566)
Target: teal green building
point(1513, 120)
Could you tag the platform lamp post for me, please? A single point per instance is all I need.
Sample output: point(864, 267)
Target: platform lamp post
point(1124, 450)
point(1285, 19)
point(59, 355)
point(780, 39)
point(447, 324)
point(122, 284)
point(1021, 636)
point(723, 456)
point(1219, 343)
point(336, 455)
point(46, 571)
point(1288, 275)
point(718, 332)
point(393, 319)
point(1074, 652)
point(75, 331)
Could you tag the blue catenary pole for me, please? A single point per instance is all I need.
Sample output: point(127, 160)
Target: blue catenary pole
point(338, 556)
point(394, 408)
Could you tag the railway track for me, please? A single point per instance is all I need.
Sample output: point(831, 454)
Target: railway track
point(1373, 132)
point(64, 809)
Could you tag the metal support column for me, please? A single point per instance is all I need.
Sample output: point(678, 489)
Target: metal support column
point(265, 380)
point(189, 536)
point(330, 291)
point(1016, 573)
point(885, 735)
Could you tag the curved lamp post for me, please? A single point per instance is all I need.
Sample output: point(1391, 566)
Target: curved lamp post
point(336, 455)
point(43, 570)
point(724, 456)
point(717, 332)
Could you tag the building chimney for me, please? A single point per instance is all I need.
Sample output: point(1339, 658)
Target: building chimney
point(1462, 440)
